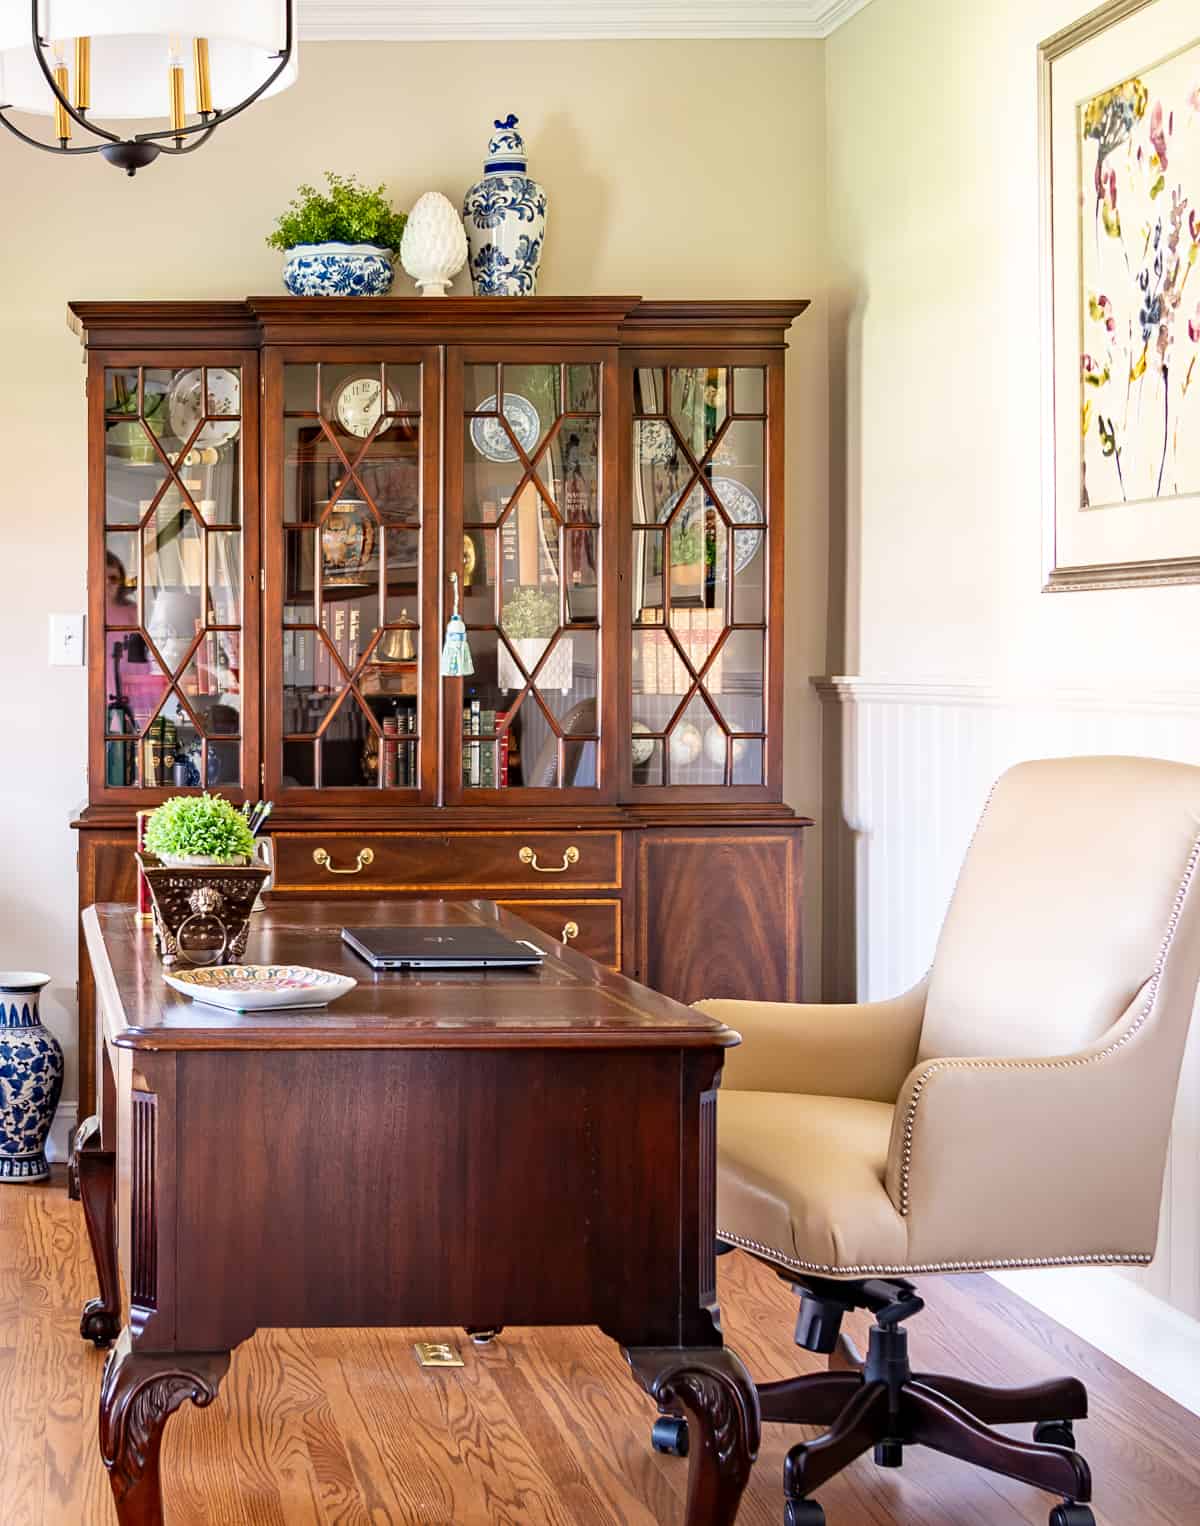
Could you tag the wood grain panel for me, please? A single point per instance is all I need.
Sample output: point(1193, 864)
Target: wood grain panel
point(462, 862)
point(107, 872)
point(718, 914)
point(543, 1428)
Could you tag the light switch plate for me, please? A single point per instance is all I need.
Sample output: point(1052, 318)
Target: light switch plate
point(66, 641)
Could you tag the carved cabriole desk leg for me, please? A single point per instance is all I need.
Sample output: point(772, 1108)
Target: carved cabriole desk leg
point(139, 1394)
point(716, 1393)
point(93, 1179)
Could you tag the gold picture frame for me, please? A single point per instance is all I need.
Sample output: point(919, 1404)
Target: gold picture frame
point(1120, 185)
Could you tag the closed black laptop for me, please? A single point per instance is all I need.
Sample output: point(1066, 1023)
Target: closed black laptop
point(439, 948)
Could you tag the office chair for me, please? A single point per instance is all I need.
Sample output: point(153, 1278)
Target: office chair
point(1012, 1110)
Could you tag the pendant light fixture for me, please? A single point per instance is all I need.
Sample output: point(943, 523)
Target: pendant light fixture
point(86, 61)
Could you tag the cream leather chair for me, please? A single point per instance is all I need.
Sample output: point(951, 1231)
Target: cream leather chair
point(1011, 1110)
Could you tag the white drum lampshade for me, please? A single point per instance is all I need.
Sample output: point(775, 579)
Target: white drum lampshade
point(187, 61)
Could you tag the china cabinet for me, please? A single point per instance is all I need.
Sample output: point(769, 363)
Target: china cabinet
point(286, 496)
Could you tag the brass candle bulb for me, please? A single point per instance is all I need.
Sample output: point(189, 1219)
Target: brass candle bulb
point(175, 87)
point(83, 74)
point(203, 76)
point(62, 78)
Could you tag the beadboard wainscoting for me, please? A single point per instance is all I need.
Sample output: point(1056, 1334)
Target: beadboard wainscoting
point(907, 768)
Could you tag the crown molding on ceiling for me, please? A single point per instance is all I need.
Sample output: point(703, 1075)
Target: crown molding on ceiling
point(515, 20)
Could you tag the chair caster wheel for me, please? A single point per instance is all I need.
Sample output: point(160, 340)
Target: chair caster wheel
point(1068, 1514)
point(670, 1436)
point(889, 1454)
point(1055, 1433)
point(803, 1513)
point(484, 1335)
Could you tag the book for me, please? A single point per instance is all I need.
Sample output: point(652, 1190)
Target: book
point(388, 752)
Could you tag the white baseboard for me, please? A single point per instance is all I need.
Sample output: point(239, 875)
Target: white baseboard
point(1149, 1337)
point(58, 1145)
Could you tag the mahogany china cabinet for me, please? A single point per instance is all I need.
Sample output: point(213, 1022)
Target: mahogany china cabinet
point(286, 497)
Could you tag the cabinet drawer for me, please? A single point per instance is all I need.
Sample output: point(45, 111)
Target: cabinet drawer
point(470, 863)
point(594, 927)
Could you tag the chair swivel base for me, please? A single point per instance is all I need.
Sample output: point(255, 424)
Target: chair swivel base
point(880, 1405)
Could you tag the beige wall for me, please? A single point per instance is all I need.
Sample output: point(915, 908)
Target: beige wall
point(674, 170)
point(933, 176)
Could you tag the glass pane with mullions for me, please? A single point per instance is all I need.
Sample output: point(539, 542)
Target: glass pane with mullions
point(350, 618)
point(223, 763)
point(224, 577)
point(649, 390)
point(134, 473)
point(698, 404)
point(580, 561)
point(480, 389)
point(698, 555)
point(120, 577)
point(312, 681)
point(537, 388)
point(747, 761)
point(401, 553)
point(404, 383)
point(749, 389)
point(299, 577)
point(299, 764)
point(573, 477)
point(583, 389)
point(300, 389)
point(569, 682)
point(212, 477)
point(696, 746)
point(661, 471)
point(739, 458)
point(390, 474)
point(347, 746)
point(135, 683)
point(211, 683)
point(737, 687)
point(750, 570)
point(173, 580)
point(492, 471)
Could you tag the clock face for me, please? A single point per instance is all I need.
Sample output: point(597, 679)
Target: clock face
point(358, 404)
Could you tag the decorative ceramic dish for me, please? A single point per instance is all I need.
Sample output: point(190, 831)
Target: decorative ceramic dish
point(489, 436)
point(185, 406)
point(260, 987)
point(742, 507)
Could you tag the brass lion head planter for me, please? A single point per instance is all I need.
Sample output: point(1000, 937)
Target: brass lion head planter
point(202, 913)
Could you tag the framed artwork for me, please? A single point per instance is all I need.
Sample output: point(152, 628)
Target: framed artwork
point(1120, 132)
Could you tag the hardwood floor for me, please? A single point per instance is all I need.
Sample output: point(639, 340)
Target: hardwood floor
point(316, 1427)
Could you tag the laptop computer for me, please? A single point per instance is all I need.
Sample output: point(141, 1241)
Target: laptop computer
point(440, 948)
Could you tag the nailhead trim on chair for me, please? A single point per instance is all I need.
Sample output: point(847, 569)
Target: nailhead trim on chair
point(910, 1117)
point(1098, 1258)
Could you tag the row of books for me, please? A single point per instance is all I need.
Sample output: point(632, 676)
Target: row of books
point(398, 756)
point(485, 752)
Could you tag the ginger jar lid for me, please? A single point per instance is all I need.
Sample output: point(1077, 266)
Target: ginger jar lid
point(506, 150)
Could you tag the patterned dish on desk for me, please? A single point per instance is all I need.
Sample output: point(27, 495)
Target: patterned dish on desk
point(260, 987)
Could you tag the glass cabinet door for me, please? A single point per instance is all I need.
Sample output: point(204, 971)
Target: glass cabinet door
point(529, 484)
point(178, 651)
point(700, 575)
point(346, 510)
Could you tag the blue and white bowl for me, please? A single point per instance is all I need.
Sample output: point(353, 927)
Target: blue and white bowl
point(338, 270)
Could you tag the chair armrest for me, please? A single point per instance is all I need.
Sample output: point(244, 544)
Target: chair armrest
point(1054, 1158)
point(861, 1050)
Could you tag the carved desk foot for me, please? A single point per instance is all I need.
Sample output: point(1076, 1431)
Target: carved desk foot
point(93, 1179)
point(139, 1394)
point(716, 1393)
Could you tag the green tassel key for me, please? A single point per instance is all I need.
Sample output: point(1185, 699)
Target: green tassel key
point(456, 650)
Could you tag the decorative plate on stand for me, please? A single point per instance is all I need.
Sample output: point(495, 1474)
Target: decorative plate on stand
point(490, 437)
point(742, 507)
point(260, 987)
point(185, 406)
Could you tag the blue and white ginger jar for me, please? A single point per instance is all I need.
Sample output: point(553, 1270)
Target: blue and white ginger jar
point(505, 214)
point(31, 1077)
point(338, 270)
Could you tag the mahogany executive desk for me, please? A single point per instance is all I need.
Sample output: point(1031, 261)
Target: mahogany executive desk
point(473, 1149)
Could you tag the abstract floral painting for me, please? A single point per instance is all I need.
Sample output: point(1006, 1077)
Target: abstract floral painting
point(1139, 155)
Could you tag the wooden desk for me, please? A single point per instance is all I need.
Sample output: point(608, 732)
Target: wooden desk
point(475, 1149)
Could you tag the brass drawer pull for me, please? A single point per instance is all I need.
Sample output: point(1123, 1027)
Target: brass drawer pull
point(365, 856)
point(529, 856)
point(570, 931)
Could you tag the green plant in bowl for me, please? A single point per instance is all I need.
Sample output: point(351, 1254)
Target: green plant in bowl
point(529, 615)
point(348, 213)
point(199, 829)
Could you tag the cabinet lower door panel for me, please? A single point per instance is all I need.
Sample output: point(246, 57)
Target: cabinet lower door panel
point(718, 914)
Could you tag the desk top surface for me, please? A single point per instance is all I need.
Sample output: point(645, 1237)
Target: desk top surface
point(569, 1002)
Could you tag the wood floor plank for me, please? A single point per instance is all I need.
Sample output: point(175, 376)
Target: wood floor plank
point(542, 1428)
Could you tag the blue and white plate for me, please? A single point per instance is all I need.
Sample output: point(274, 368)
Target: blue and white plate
point(260, 987)
point(742, 507)
point(489, 436)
